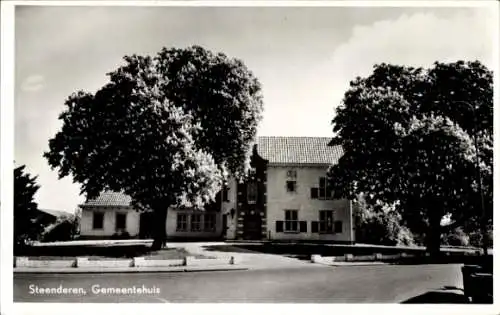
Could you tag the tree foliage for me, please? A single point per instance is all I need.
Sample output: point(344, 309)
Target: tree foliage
point(166, 130)
point(380, 224)
point(408, 137)
point(26, 227)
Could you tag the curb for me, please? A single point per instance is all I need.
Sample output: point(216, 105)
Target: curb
point(83, 264)
point(357, 264)
point(28, 270)
point(351, 260)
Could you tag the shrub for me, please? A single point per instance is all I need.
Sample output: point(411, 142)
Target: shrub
point(381, 225)
point(476, 239)
point(456, 237)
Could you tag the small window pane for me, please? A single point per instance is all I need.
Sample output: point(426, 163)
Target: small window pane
point(291, 223)
point(209, 222)
point(326, 224)
point(196, 222)
point(181, 222)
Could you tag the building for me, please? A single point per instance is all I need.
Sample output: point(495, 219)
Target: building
point(286, 197)
point(111, 215)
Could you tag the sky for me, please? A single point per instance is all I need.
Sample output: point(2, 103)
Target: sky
point(303, 57)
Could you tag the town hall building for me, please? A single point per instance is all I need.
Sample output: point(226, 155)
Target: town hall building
point(286, 197)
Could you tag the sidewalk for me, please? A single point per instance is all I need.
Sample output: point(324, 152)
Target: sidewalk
point(242, 261)
point(250, 260)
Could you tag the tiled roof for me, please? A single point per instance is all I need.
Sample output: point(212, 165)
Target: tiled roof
point(298, 150)
point(109, 198)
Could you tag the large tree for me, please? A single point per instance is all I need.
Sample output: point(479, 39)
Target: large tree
point(26, 227)
point(409, 137)
point(166, 130)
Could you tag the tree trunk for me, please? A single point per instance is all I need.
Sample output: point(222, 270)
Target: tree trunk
point(434, 235)
point(159, 228)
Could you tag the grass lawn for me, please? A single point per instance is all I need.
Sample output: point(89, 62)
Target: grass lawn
point(105, 253)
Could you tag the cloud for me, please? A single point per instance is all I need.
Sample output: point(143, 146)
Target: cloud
point(416, 40)
point(33, 83)
point(413, 39)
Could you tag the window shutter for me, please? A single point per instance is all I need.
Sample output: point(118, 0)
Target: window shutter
point(303, 226)
point(279, 226)
point(322, 182)
point(338, 227)
point(314, 193)
point(314, 227)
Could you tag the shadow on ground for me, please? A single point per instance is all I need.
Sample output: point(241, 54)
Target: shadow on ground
point(438, 297)
point(444, 295)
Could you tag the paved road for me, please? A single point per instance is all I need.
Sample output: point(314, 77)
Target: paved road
point(360, 284)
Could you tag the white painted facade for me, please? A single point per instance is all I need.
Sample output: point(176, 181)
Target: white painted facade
point(172, 232)
point(132, 227)
point(109, 221)
point(279, 200)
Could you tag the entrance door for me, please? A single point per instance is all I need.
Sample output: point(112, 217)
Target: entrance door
point(252, 226)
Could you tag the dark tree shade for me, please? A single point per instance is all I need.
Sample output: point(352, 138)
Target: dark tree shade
point(166, 130)
point(26, 227)
point(408, 136)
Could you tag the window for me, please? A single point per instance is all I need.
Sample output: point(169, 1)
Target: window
point(195, 222)
point(252, 192)
point(182, 224)
point(209, 222)
point(324, 191)
point(326, 221)
point(291, 186)
point(121, 221)
point(291, 221)
point(291, 182)
point(98, 221)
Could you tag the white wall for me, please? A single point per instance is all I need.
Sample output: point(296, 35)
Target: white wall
point(279, 200)
point(132, 222)
point(172, 225)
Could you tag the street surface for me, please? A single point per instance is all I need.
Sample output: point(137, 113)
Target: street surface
point(325, 284)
